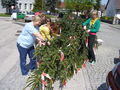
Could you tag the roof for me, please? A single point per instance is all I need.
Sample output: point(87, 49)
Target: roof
point(62, 5)
point(117, 4)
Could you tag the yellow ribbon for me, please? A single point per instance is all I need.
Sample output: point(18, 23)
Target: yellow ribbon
point(92, 22)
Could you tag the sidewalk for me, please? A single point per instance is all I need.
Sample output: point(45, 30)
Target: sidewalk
point(115, 26)
point(80, 81)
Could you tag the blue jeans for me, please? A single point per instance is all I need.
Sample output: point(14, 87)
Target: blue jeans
point(23, 54)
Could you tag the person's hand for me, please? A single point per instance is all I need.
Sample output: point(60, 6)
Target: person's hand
point(48, 43)
point(84, 27)
point(87, 31)
point(41, 43)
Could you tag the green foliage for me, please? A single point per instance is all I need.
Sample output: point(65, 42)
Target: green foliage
point(51, 16)
point(8, 3)
point(79, 5)
point(97, 5)
point(38, 5)
point(50, 5)
point(107, 18)
point(72, 42)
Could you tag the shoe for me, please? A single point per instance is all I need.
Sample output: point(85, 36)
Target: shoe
point(93, 62)
point(25, 74)
point(90, 60)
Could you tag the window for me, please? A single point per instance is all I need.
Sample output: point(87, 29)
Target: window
point(25, 5)
point(30, 6)
point(20, 5)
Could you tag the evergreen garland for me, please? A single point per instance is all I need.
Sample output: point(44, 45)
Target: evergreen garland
point(72, 42)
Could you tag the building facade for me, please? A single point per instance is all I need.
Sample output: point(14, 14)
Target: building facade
point(25, 6)
point(113, 9)
point(110, 8)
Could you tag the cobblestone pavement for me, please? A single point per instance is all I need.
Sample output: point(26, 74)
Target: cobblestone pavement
point(10, 76)
point(106, 56)
point(94, 75)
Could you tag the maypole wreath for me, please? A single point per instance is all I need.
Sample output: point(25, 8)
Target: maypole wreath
point(61, 59)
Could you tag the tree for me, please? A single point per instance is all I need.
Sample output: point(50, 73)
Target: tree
point(8, 3)
point(50, 5)
point(62, 58)
point(97, 5)
point(38, 5)
point(80, 5)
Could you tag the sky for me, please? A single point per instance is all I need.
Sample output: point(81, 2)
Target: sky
point(104, 1)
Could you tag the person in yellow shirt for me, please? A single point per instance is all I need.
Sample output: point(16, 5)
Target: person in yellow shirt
point(49, 30)
point(45, 31)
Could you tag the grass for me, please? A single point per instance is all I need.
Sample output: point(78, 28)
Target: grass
point(4, 15)
point(50, 16)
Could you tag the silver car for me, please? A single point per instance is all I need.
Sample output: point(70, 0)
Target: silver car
point(29, 17)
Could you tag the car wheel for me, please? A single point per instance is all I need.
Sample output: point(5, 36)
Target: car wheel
point(26, 20)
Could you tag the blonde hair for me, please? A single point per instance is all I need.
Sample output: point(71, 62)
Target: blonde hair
point(94, 12)
point(39, 18)
point(36, 18)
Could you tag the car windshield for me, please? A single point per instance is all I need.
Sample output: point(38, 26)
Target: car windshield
point(30, 13)
point(117, 79)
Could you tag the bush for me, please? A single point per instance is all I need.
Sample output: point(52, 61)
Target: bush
point(107, 18)
point(50, 16)
point(72, 43)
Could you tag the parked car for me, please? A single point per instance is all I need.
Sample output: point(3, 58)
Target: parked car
point(20, 16)
point(113, 78)
point(29, 17)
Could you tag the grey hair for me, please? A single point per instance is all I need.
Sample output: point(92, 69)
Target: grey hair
point(94, 12)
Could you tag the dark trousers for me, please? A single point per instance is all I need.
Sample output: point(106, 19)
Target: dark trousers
point(91, 43)
point(23, 54)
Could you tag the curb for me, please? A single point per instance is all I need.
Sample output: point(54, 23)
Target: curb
point(20, 23)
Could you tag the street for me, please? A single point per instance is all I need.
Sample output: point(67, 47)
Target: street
point(10, 75)
point(94, 75)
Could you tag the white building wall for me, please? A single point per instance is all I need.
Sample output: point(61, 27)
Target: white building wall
point(118, 14)
point(23, 2)
point(111, 11)
point(2, 10)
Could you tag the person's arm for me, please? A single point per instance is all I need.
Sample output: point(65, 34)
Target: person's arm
point(35, 32)
point(47, 34)
point(55, 34)
point(86, 22)
point(38, 35)
point(96, 27)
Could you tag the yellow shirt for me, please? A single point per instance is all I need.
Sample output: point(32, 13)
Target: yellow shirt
point(45, 32)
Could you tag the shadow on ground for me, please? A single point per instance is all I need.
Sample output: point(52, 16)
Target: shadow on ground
point(116, 60)
point(102, 87)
